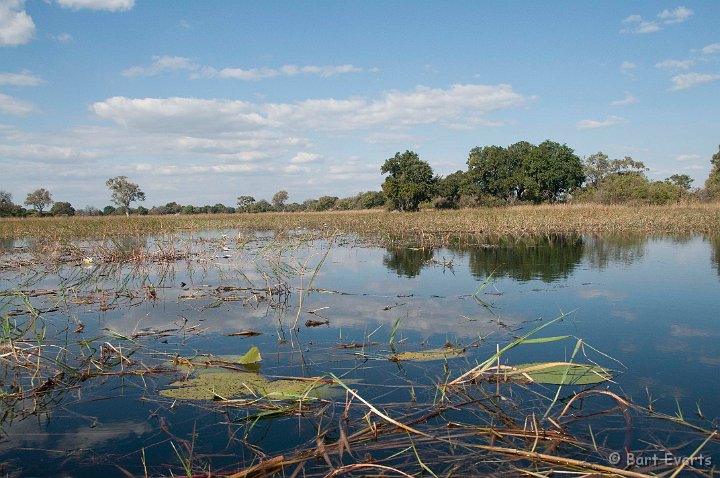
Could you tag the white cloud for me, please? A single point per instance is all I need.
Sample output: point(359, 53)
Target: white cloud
point(14, 107)
point(628, 100)
point(303, 157)
point(24, 78)
point(710, 49)
point(255, 74)
point(679, 15)
point(674, 64)
point(690, 80)
point(16, 26)
point(594, 124)
point(688, 157)
point(395, 109)
point(109, 5)
point(637, 24)
point(159, 65)
point(48, 153)
point(180, 115)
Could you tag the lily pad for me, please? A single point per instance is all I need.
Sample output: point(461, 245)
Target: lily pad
point(213, 383)
point(558, 373)
point(428, 355)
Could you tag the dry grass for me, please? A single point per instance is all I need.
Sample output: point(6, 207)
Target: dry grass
point(426, 227)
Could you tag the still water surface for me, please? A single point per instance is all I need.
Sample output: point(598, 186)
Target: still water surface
point(649, 305)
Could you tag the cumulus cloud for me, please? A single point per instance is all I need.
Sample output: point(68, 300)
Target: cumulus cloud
point(594, 124)
point(24, 78)
point(108, 5)
point(674, 64)
point(679, 15)
point(394, 109)
point(628, 100)
point(161, 64)
point(691, 80)
point(13, 106)
point(638, 24)
point(16, 26)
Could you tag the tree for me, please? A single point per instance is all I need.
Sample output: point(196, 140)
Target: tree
point(7, 207)
point(597, 167)
point(498, 171)
point(61, 208)
point(124, 192)
point(244, 202)
point(39, 199)
point(553, 170)
point(278, 200)
point(681, 180)
point(712, 184)
point(410, 182)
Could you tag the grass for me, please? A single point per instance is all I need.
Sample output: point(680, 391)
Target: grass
point(429, 228)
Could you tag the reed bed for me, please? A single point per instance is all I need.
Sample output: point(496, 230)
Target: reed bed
point(432, 228)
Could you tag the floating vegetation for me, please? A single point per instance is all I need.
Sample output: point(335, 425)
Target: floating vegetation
point(551, 373)
point(443, 353)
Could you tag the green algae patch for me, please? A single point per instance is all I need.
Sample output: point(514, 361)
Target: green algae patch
point(428, 355)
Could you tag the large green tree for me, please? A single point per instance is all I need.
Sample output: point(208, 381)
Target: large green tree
point(552, 171)
point(39, 199)
point(124, 192)
point(410, 181)
point(494, 170)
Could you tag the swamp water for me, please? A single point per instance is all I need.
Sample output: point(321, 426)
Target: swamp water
point(367, 360)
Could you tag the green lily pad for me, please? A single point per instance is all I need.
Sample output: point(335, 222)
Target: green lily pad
point(212, 380)
point(558, 373)
point(427, 355)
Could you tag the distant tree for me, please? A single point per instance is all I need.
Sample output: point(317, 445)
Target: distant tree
point(712, 184)
point(410, 181)
point(124, 192)
point(598, 167)
point(325, 203)
point(39, 199)
point(61, 208)
point(244, 202)
point(88, 211)
point(682, 180)
point(108, 211)
point(261, 206)
point(6, 205)
point(371, 199)
point(553, 170)
point(278, 200)
point(498, 171)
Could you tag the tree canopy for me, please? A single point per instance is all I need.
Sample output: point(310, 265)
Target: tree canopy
point(39, 199)
point(410, 181)
point(124, 192)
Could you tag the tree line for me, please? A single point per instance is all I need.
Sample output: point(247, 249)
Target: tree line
point(495, 176)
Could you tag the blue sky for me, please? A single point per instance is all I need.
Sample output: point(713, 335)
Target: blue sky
point(202, 101)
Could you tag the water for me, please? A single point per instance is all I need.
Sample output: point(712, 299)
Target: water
point(644, 307)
